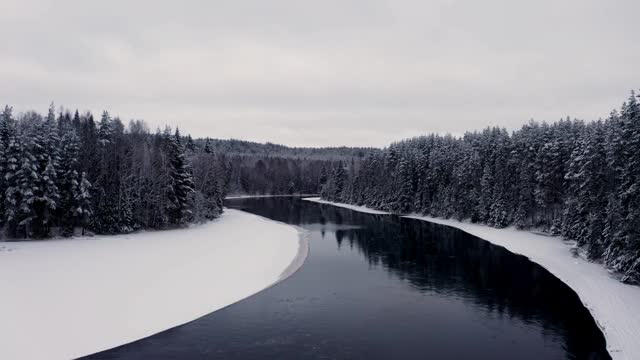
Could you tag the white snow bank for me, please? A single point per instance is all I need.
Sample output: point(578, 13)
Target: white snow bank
point(615, 306)
point(63, 299)
point(264, 196)
point(363, 209)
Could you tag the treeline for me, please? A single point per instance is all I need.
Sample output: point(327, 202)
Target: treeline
point(249, 148)
point(572, 178)
point(63, 173)
point(257, 169)
point(259, 175)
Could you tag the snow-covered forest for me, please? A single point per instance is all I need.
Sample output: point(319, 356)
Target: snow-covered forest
point(572, 178)
point(64, 173)
point(261, 169)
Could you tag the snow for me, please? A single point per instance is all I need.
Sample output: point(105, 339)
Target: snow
point(230, 197)
point(615, 306)
point(63, 299)
point(363, 209)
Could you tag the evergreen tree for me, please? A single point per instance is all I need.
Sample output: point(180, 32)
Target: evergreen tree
point(104, 129)
point(404, 195)
point(69, 180)
point(12, 195)
point(190, 145)
point(630, 190)
point(22, 193)
point(7, 132)
point(486, 194)
point(207, 147)
point(181, 186)
point(82, 212)
point(46, 201)
point(339, 178)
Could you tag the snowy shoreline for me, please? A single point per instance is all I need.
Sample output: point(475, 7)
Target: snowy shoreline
point(231, 197)
point(615, 306)
point(79, 296)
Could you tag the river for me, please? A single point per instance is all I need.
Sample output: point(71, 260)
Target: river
point(385, 287)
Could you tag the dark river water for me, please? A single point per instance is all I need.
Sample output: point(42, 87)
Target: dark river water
point(385, 287)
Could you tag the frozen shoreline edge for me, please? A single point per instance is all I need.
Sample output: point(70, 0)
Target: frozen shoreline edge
point(298, 260)
point(293, 267)
point(621, 330)
point(242, 228)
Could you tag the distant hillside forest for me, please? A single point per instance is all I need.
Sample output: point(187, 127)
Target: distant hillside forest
point(572, 178)
point(259, 169)
point(63, 173)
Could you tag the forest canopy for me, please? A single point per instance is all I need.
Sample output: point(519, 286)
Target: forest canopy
point(64, 173)
point(572, 178)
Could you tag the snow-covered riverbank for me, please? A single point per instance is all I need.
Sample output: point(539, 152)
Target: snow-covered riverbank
point(63, 299)
point(231, 197)
point(615, 306)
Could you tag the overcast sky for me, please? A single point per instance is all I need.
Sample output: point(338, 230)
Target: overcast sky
point(330, 72)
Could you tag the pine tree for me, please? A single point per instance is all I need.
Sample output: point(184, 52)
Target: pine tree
point(181, 186)
point(11, 196)
point(89, 149)
point(104, 129)
point(6, 132)
point(107, 211)
point(612, 233)
point(549, 177)
point(69, 180)
point(46, 201)
point(75, 123)
point(588, 190)
point(404, 195)
point(208, 187)
point(22, 195)
point(486, 194)
point(630, 189)
point(207, 147)
point(526, 201)
point(499, 216)
point(339, 178)
point(190, 145)
point(82, 200)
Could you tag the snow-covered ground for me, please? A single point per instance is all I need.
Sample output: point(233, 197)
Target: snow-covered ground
point(263, 196)
point(63, 299)
point(615, 306)
point(363, 209)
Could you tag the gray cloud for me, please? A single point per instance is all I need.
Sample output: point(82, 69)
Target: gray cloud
point(322, 73)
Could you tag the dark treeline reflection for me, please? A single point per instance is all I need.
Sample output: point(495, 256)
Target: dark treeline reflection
point(451, 263)
point(380, 287)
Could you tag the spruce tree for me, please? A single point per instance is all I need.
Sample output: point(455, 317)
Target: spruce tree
point(181, 186)
point(630, 189)
point(11, 196)
point(207, 147)
point(46, 201)
point(83, 212)
point(69, 180)
point(404, 195)
point(104, 129)
point(24, 191)
point(5, 135)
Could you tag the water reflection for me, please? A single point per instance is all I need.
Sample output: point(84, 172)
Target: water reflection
point(379, 286)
